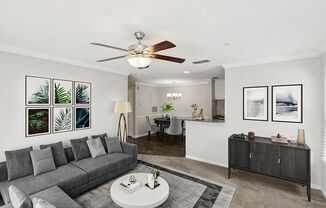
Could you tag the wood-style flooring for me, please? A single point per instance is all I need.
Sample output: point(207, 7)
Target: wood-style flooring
point(154, 146)
point(251, 190)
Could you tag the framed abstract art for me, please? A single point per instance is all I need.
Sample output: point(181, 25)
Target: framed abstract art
point(287, 103)
point(255, 103)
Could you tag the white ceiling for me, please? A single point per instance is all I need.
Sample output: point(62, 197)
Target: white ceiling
point(255, 29)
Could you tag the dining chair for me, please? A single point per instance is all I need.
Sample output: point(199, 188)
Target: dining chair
point(151, 128)
point(175, 128)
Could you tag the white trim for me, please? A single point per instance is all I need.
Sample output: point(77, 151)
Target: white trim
point(315, 186)
point(271, 60)
point(144, 116)
point(322, 49)
point(323, 192)
point(207, 161)
point(39, 55)
point(147, 84)
point(185, 84)
point(172, 85)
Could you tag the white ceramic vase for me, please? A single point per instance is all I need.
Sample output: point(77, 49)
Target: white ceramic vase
point(301, 137)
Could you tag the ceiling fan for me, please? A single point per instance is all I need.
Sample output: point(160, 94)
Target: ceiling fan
point(140, 55)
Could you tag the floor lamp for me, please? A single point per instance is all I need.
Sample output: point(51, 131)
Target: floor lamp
point(122, 108)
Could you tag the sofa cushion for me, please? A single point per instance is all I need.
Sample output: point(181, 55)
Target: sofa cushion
point(18, 198)
point(102, 137)
point(67, 177)
point(96, 148)
point(80, 148)
point(58, 153)
point(19, 163)
point(42, 161)
point(104, 164)
point(55, 196)
point(113, 144)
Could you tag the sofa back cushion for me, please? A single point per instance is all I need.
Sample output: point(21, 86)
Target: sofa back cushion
point(80, 148)
point(113, 144)
point(69, 154)
point(102, 137)
point(19, 163)
point(42, 161)
point(3, 171)
point(58, 153)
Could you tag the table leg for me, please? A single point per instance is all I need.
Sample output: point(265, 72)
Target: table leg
point(309, 192)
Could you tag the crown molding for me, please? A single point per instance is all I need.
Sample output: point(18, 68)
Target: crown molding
point(322, 49)
point(271, 60)
point(43, 56)
point(172, 85)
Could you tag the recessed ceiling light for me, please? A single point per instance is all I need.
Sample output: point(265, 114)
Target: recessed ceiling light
point(186, 72)
point(227, 44)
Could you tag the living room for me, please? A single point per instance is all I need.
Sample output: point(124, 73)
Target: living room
point(246, 84)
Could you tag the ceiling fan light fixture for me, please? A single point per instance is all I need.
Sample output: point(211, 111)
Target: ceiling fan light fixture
point(139, 61)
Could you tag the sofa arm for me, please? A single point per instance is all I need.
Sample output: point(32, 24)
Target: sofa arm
point(130, 149)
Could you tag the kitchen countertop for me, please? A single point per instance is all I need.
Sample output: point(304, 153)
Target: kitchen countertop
point(207, 120)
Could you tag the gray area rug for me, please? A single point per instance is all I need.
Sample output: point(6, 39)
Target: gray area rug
point(186, 190)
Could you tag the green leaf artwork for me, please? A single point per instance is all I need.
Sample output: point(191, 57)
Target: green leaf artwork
point(62, 92)
point(62, 119)
point(82, 91)
point(82, 118)
point(38, 91)
point(38, 121)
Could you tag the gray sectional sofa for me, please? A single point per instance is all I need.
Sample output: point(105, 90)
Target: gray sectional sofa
point(72, 179)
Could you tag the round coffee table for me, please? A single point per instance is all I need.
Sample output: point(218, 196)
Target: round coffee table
point(144, 197)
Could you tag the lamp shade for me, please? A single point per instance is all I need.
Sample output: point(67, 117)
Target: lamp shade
point(122, 107)
point(139, 61)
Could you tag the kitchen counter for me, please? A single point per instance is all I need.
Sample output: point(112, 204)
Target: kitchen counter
point(207, 120)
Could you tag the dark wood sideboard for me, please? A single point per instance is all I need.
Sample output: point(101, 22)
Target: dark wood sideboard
point(290, 162)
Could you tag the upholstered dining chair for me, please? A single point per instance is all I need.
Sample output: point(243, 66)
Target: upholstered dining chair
point(175, 128)
point(151, 128)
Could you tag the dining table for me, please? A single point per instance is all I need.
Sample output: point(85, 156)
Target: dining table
point(164, 123)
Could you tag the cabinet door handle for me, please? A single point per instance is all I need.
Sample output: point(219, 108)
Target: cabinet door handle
point(279, 160)
point(250, 155)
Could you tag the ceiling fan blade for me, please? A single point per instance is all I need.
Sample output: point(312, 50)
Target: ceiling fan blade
point(107, 46)
point(109, 59)
point(160, 46)
point(168, 58)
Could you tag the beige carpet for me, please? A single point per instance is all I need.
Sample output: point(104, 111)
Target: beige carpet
point(251, 190)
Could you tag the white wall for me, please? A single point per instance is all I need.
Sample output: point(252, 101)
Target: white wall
point(199, 94)
point(106, 89)
point(211, 141)
point(148, 96)
point(219, 89)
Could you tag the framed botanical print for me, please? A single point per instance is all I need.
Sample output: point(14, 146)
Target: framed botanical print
point(255, 103)
point(82, 93)
point(62, 119)
point(37, 91)
point(287, 103)
point(82, 118)
point(62, 92)
point(37, 121)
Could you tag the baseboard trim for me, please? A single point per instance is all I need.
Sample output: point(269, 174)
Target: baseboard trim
point(207, 161)
point(139, 135)
point(323, 192)
point(315, 186)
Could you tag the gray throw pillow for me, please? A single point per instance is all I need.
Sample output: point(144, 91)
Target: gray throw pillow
point(96, 148)
point(102, 136)
point(58, 153)
point(113, 144)
point(40, 203)
point(80, 148)
point(19, 163)
point(18, 198)
point(42, 161)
